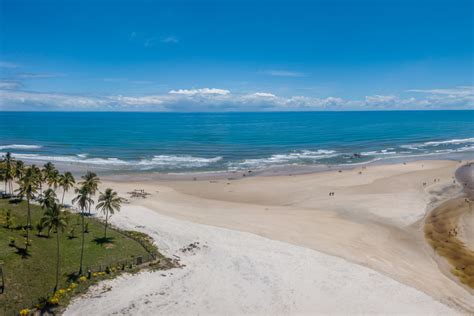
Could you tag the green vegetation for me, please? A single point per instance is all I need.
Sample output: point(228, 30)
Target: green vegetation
point(44, 270)
point(30, 275)
point(442, 234)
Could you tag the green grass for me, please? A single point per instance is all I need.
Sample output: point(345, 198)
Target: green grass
point(29, 277)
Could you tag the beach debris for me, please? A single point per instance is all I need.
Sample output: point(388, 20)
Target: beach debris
point(138, 194)
point(190, 248)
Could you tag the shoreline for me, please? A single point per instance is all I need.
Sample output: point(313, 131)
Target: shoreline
point(374, 220)
point(284, 170)
point(271, 170)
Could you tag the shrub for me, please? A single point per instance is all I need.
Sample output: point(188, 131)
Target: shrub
point(39, 227)
point(72, 232)
point(53, 300)
point(24, 312)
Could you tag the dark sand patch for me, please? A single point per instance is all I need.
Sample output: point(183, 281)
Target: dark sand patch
point(441, 231)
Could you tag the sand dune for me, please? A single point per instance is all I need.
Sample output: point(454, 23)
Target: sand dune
point(374, 220)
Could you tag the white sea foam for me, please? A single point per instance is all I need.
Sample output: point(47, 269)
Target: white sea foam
point(20, 146)
point(171, 161)
point(418, 146)
point(70, 159)
point(378, 153)
point(279, 159)
point(163, 161)
point(451, 141)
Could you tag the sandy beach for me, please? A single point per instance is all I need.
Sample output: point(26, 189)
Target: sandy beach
point(285, 245)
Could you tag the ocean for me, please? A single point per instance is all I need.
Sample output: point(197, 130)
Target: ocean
point(202, 142)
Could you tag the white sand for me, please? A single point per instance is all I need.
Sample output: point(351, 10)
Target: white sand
point(282, 245)
point(241, 273)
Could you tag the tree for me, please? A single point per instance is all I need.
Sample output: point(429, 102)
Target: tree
point(48, 199)
point(8, 219)
point(38, 175)
point(19, 169)
point(82, 200)
point(28, 188)
point(90, 183)
point(66, 181)
point(48, 172)
point(53, 179)
point(109, 202)
point(55, 218)
point(8, 171)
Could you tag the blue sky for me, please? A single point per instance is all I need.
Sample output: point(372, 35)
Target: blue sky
point(236, 55)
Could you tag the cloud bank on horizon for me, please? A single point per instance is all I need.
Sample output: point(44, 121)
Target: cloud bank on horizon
point(236, 55)
point(215, 99)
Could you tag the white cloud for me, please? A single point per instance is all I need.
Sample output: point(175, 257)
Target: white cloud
point(215, 99)
point(49, 100)
point(284, 73)
point(263, 95)
point(459, 91)
point(149, 42)
point(138, 101)
point(203, 91)
point(170, 40)
point(29, 75)
point(9, 84)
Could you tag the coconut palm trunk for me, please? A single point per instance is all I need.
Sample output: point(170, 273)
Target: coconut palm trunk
point(28, 217)
point(106, 222)
point(57, 260)
point(62, 200)
point(28, 225)
point(82, 243)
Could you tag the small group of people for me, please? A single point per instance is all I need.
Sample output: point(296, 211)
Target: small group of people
point(331, 193)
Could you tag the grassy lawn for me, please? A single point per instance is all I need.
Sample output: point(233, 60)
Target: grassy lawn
point(32, 276)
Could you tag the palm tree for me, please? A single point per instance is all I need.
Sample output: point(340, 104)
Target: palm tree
point(28, 187)
point(48, 171)
point(47, 200)
point(55, 218)
point(109, 201)
point(53, 179)
point(83, 201)
point(91, 184)
point(66, 181)
point(19, 169)
point(8, 171)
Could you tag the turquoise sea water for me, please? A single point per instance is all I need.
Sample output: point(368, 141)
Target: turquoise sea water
point(183, 142)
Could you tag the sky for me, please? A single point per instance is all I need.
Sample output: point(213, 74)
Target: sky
point(105, 55)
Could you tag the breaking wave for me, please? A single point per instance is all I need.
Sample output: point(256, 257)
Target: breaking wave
point(163, 161)
point(304, 156)
point(20, 146)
